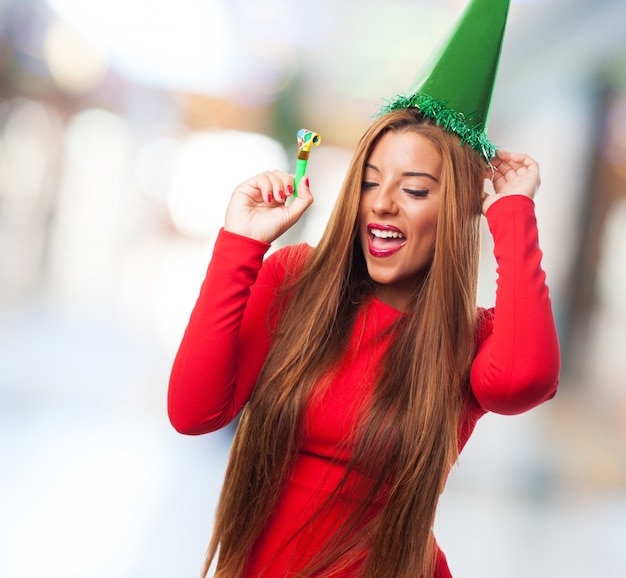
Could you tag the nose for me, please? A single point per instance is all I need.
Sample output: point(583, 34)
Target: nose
point(383, 201)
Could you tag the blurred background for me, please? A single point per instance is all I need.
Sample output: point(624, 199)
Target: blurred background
point(124, 127)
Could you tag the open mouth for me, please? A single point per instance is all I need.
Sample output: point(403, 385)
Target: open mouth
point(384, 240)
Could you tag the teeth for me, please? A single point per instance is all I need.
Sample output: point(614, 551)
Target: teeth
point(386, 234)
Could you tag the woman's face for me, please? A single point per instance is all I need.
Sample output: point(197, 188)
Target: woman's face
point(398, 213)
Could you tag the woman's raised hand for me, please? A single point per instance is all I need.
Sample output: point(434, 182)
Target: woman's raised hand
point(258, 207)
point(514, 174)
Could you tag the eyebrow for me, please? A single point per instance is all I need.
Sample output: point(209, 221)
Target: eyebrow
point(406, 173)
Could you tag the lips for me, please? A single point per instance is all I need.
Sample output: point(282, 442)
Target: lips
point(384, 240)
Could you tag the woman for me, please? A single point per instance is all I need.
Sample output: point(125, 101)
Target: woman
point(362, 364)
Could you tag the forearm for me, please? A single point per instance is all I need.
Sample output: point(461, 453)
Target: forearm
point(517, 365)
point(209, 383)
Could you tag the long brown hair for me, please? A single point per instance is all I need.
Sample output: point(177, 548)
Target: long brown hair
point(410, 426)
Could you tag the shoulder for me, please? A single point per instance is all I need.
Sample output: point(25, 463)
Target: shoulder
point(484, 323)
point(287, 261)
point(291, 256)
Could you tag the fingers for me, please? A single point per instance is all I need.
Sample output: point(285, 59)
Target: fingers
point(264, 206)
point(509, 165)
point(275, 187)
point(513, 174)
point(304, 197)
point(511, 169)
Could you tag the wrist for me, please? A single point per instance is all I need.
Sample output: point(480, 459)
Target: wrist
point(248, 237)
point(491, 200)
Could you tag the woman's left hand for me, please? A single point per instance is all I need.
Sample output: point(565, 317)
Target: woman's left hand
point(514, 174)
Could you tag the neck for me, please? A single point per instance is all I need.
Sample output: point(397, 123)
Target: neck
point(393, 297)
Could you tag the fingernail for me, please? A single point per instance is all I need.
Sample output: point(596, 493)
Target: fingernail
point(281, 195)
point(306, 182)
point(289, 189)
point(269, 198)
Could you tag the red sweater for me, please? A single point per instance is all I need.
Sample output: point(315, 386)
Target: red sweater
point(227, 340)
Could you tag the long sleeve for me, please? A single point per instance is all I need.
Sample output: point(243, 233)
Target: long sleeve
point(227, 337)
point(518, 361)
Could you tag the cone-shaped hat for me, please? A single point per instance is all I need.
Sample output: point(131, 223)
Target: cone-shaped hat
point(454, 86)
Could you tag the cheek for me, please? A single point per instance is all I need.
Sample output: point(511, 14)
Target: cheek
point(363, 207)
point(361, 215)
point(425, 223)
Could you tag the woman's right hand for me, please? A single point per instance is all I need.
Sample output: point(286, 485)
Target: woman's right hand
point(258, 207)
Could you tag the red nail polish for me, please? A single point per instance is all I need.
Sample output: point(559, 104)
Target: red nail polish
point(306, 182)
point(290, 189)
point(281, 195)
point(269, 198)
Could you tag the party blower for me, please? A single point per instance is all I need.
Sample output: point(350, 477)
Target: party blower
point(306, 139)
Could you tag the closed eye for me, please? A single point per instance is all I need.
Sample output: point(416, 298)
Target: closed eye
point(369, 185)
point(417, 192)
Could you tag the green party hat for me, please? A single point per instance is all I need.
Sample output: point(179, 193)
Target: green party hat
point(454, 86)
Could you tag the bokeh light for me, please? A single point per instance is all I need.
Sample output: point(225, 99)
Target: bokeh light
point(75, 64)
point(210, 166)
